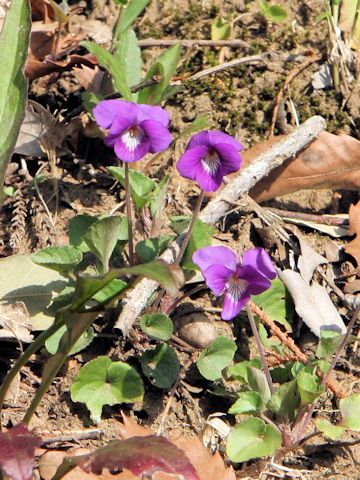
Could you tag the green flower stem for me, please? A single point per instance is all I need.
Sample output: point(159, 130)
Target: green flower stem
point(33, 348)
point(260, 348)
point(187, 237)
point(129, 214)
point(310, 410)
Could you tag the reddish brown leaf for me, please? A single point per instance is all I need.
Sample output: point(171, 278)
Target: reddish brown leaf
point(141, 456)
point(208, 466)
point(331, 161)
point(353, 247)
point(17, 452)
point(36, 68)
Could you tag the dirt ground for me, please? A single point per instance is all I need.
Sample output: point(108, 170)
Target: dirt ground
point(239, 101)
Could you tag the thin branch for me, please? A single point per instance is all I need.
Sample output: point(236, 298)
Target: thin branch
point(137, 298)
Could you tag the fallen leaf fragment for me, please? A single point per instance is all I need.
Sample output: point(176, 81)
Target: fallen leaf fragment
point(331, 161)
point(15, 322)
point(353, 247)
point(208, 466)
point(312, 303)
point(17, 452)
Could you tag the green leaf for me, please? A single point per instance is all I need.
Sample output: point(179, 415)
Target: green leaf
point(103, 382)
point(257, 381)
point(350, 411)
point(220, 30)
point(276, 303)
point(112, 65)
point(200, 123)
point(239, 371)
point(149, 249)
point(77, 228)
point(129, 55)
point(101, 237)
point(309, 386)
point(130, 13)
point(328, 344)
point(334, 432)
point(170, 276)
point(161, 365)
point(62, 259)
point(273, 13)
point(157, 198)
point(52, 343)
point(22, 280)
point(252, 438)
point(201, 237)
point(217, 356)
point(111, 290)
point(285, 400)
point(248, 402)
point(157, 325)
point(14, 42)
point(140, 185)
point(164, 66)
point(282, 373)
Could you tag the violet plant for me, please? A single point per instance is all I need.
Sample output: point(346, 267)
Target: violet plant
point(101, 259)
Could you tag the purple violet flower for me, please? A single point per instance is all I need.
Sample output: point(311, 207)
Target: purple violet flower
point(209, 156)
point(237, 279)
point(134, 130)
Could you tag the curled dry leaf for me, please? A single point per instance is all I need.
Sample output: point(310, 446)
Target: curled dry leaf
point(331, 161)
point(353, 247)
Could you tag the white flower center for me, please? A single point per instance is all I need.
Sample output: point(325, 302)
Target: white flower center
point(211, 162)
point(235, 287)
point(132, 138)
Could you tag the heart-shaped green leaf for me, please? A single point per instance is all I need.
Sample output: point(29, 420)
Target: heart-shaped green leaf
point(161, 365)
point(252, 438)
point(157, 325)
point(217, 356)
point(62, 259)
point(350, 411)
point(248, 402)
point(103, 382)
point(334, 432)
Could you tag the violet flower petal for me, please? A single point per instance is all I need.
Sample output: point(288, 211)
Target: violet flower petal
point(257, 282)
point(158, 135)
point(229, 156)
point(216, 277)
point(216, 137)
point(231, 307)
point(207, 256)
point(211, 138)
point(119, 125)
point(150, 112)
point(189, 161)
point(209, 183)
point(126, 154)
point(107, 110)
point(259, 259)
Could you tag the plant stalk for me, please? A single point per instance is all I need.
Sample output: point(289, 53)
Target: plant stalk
point(187, 237)
point(260, 348)
point(32, 348)
point(308, 415)
point(129, 214)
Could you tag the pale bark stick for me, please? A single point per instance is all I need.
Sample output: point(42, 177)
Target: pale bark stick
point(138, 298)
point(154, 42)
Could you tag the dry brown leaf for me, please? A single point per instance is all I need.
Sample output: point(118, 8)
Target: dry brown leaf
point(207, 466)
point(353, 247)
point(331, 161)
point(15, 322)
